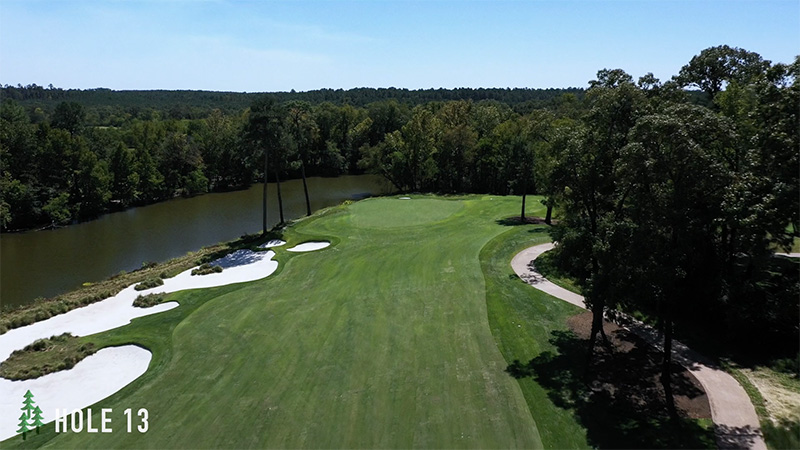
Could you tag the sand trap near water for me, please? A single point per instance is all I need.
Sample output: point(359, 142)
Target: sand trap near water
point(110, 369)
point(272, 243)
point(91, 380)
point(239, 267)
point(309, 246)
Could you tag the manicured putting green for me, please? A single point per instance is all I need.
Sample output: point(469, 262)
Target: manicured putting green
point(381, 340)
point(399, 213)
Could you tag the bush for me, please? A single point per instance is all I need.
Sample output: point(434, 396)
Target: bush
point(45, 356)
point(149, 284)
point(206, 269)
point(789, 366)
point(145, 301)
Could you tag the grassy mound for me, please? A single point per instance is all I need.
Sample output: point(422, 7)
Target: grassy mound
point(46, 356)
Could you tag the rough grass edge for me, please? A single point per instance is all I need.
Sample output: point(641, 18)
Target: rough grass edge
point(776, 436)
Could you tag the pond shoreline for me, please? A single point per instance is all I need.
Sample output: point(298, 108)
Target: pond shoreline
point(47, 263)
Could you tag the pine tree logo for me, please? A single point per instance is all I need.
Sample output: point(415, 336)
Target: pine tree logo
point(31, 416)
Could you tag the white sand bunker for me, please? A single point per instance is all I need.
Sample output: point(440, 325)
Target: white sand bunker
point(272, 243)
point(239, 267)
point(110, 369)
point(404, 198)
point(91, 380)
point(309, 246)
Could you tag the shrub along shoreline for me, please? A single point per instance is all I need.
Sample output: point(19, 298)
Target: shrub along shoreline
point(43, 309)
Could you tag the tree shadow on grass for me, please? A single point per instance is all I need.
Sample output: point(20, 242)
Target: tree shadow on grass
point(738, 437)
point(617, 397)
point(515, 221)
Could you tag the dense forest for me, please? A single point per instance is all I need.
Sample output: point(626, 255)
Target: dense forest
point(672, 211)
point(70, 155)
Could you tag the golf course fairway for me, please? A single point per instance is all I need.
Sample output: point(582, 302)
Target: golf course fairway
point(397, 335)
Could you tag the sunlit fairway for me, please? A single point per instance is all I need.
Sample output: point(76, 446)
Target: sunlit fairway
point(381, 340)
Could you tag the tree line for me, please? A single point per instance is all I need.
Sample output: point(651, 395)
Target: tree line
point(106, 107)
point(75, 163)
point(673, 210)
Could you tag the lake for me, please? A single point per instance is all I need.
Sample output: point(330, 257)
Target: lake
point(51, 262)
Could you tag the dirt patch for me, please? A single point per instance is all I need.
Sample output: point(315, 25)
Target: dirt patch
point(629, 371)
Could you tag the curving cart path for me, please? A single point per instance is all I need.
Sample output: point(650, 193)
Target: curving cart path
point(735, 421)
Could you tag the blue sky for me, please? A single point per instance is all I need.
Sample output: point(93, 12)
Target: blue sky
point(257, 46)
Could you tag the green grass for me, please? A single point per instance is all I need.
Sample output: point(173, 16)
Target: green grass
point(523, 320)
point(381, 340)
point(396, 213)
point(399, 335)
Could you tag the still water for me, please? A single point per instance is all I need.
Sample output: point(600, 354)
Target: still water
point(47, 263)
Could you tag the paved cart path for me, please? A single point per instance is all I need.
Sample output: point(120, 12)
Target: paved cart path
point(735, 421)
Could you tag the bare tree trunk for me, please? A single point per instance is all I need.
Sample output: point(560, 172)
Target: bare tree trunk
point(280, 198)
point(598, 310)
point(305, 186)
point(666, 368)
point(264, 197)
point(549, 217)
point(524, 194)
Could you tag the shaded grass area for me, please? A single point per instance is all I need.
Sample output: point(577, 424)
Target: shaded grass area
point(783, 435)
point(779, 432)
point(549, 362)
point(546, 266)
point(45, 356)
point(618, 395)
point(380, 340)
point(522, 320)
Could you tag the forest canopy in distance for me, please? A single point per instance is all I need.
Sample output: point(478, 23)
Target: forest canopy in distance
point(71, 155)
